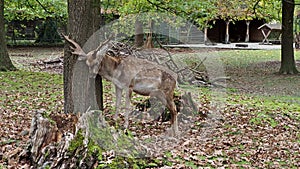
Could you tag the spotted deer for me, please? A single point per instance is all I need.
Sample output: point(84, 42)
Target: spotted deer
point(132, 75)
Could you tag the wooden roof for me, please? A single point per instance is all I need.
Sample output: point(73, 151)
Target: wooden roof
point(272, 26)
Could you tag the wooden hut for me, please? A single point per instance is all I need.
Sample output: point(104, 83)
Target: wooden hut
point(267, 29)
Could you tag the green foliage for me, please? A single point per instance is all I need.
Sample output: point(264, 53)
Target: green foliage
point(201, 12)
point(31, 9)
point(21, 15)
point(269, 10)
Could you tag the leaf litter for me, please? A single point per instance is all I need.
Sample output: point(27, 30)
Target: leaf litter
point(246, 135)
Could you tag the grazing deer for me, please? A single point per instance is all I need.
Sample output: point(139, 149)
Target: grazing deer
point(132, 75)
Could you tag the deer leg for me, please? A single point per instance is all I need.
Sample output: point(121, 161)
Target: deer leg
point(118, 100)
point(172, 108)
point(127, 106)
point(128, 98)
point(167, 100)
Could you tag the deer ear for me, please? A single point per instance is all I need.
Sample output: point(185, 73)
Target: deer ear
point(115, 59)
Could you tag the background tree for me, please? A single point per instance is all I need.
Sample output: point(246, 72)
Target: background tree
point(33, 9)
point(83, 21)
point(52, 13)
point(288, 65)
point(202, 13)
point(5, 62)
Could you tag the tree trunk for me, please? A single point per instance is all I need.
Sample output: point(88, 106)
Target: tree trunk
point(139, 34)
point(288, 65)
point(5, 62)
point(227, 32)
point(149, 40)
point(80, 92)
point(205, 35)
point(247, 31)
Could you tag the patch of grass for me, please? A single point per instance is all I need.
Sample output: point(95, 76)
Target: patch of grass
point(264, 110)
point(244, 58)
point(251, 71)
point(241, 163)
point(284, 104)
point(191, 164)
point(231, 58)
point(31, 90)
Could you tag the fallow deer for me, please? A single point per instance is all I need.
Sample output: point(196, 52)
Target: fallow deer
point(131, 74)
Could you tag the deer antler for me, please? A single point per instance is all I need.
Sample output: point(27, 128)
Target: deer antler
point(77, 50)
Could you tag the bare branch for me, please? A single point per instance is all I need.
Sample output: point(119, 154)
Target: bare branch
point(45, 9)
point(254, 7)
point(160, 6)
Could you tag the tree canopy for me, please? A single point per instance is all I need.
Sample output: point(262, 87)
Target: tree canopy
point(33, 9)
point(201, 12)
point(198, 12)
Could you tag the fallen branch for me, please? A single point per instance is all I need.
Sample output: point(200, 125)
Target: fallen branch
point(53, 61)
point(210, 83)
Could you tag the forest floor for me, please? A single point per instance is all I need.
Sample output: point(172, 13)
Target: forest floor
point(257, 125)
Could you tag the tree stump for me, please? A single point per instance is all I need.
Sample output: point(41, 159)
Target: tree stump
point(67, 141)
point(50, 138)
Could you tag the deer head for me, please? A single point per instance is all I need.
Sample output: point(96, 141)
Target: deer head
point(92, 58)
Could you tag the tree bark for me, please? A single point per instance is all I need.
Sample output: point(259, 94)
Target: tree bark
point(288, 65)
point(80, 91)
point(5, 62)
point(67, 141)
point(247, 31)
point(227, 32)
point(205, 35)
point(149, 40)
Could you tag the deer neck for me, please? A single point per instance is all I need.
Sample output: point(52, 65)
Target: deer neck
point(108, 68)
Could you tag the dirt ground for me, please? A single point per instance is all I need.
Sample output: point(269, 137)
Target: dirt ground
point(32, 58)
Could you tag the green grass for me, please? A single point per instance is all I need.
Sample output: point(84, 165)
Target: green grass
point(31, 90)
point(233, 58)
point(286, 103)
point(265, 109)
point(243, 58)
point(237, 58)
